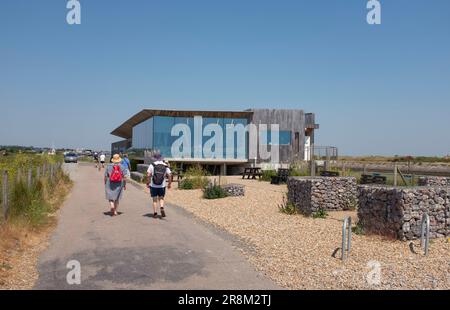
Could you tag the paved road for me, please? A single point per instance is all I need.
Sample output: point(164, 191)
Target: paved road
point(135, 251)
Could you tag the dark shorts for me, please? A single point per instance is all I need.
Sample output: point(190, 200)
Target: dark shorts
point(157, 192)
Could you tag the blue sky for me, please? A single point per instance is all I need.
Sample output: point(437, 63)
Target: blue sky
point(375, 89)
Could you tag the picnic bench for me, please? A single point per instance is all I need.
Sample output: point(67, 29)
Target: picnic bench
point(329, 174)
point(281, 177)
point(373, 179)
point(252, 172)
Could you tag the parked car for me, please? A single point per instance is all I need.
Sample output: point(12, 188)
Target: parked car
point(70, 158)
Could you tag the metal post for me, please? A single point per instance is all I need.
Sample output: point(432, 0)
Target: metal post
point(346, 238)
point(29, 177)
point(313, 163)
point(425, 238)
point(328, 160)
point(5, 194)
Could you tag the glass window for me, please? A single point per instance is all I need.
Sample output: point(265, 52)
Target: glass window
point(284, 137)
point(162, 138)
point(143, 135)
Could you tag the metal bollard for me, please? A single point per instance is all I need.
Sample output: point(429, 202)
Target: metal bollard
point(425, 238)
point(346, 238)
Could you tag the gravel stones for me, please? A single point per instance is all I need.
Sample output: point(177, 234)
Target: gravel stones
point(234, 189)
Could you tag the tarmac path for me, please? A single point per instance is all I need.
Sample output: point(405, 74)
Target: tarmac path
point(136, 251)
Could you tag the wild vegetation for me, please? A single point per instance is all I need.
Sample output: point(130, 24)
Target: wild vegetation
point(31, 206)
point(397, 158)
point(214, 192)
point(194, 178)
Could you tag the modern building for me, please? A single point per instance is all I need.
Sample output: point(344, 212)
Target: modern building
point(156, 130)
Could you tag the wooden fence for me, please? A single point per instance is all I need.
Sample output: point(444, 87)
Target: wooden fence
point(29, 176)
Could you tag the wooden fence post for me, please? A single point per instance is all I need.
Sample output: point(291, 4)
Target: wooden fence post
point(38, 173)
point(395, 174)
point(19, 175)
point(44, 169)
point(30, 177)
point(5, 194)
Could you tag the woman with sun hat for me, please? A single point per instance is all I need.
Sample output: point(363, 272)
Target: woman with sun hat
point(115, 183)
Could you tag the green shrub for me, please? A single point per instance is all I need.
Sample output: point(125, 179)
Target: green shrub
point(267, 175)
point(300, 169)
point(358, 229)
point(287, 207)
point(30, 205)
point(186, 184)
point(214, 192)
point(320, 214)
point(195, 178)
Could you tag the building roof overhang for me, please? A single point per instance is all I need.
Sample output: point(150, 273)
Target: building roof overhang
point(126, 129)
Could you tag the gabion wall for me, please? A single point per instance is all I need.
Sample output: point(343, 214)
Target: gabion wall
point(310, 194)
point(434, 181)
point(397, 212)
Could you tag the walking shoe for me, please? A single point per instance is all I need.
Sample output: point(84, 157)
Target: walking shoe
point(155, 215)
point(163, 213)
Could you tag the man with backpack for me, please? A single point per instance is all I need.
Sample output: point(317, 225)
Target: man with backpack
point(157, 173)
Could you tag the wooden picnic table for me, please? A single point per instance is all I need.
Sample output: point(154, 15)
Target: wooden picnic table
point(252, 172)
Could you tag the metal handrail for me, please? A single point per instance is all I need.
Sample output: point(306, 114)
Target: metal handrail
point(425, 237)
point(346, 238)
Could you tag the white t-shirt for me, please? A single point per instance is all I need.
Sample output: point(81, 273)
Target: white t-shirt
point(102, 157)
point(150, 171)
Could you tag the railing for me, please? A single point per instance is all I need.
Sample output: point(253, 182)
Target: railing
point(346, 238)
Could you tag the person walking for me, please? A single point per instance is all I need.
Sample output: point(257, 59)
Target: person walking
point(103, 158)
point(126, 165)
point(115, 183)
point(96, 159)
point(157, 174)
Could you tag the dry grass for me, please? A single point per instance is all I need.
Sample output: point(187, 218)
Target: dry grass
point(296, 252)
point(21, 244)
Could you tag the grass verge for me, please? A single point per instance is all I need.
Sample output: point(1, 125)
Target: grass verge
point(32, 219)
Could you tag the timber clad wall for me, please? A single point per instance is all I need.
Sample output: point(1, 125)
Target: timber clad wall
point(291, 120)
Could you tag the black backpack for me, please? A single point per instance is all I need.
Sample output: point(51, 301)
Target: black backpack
point(159, 173)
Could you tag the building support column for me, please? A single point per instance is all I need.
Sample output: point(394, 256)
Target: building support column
point(223, 169)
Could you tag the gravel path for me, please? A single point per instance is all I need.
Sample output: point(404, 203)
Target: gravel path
point(296, 252)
